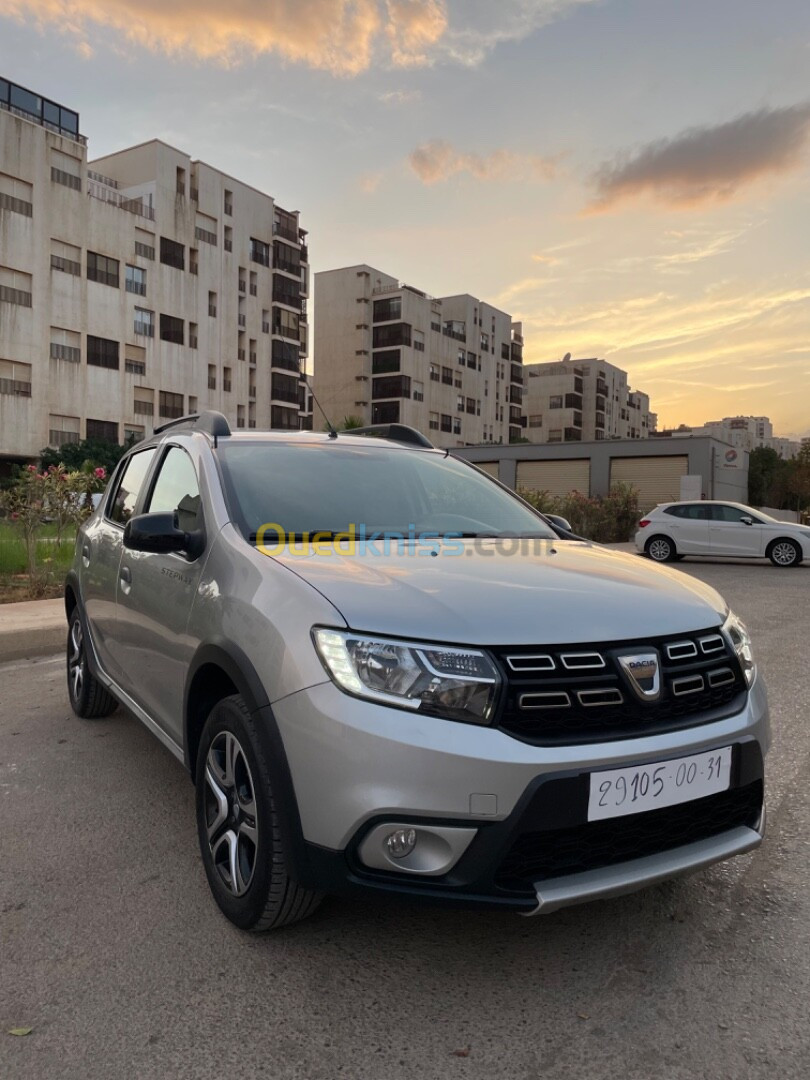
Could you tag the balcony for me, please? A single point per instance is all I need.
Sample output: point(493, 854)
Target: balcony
point(242, 320)
point(228, 245)
point(515, 395)
point(571, 434)
point(253, 357)
point(114, 198)
point(212, 310)
point(212, 382)
point(285, 232)
point(254, 289)
point(226, 385)
point(229, 209)
point(240, 354)
point(242, 286)
point(192, 341)
point(193, 267)
point(517, 374)
point(290, 396)
point(195, 194)
point(601, 388)
point(284, 296)
point(38, 110)
point(265, 327)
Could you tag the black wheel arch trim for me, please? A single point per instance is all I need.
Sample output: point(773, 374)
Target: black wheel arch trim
point(236, 665)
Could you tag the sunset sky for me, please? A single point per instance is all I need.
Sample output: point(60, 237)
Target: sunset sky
point(631, 178)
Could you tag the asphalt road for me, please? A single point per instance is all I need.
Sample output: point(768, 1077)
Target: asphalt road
point(112, 951)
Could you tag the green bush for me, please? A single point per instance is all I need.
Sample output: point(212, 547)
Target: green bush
point(609, 519)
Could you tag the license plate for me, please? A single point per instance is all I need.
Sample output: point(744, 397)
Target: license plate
point(633, 790)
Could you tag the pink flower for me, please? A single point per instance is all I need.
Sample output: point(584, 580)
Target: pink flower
point(100, 474)
point(14, 517)
point(32, 468)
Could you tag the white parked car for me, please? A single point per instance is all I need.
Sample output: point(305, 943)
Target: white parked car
point(720, 529)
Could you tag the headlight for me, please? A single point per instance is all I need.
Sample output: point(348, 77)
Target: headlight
point(459, 684)
point(741, 640)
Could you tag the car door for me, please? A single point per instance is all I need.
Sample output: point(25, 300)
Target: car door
point(735, 531)
point(101, 547)
point(688, 525)
point(155, 596)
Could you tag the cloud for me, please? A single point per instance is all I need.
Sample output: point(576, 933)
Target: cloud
point(344, 37)
point(400, 97)
point(707, 164)
point(436, 161)
point(369, 182)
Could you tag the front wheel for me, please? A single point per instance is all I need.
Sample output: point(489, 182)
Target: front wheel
point(88, 698)
point(784, 553)
point(660, 549)
point(238, 826)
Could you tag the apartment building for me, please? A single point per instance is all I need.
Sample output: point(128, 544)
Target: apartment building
point(582, 401)
point(745, 433)
point(386, 352)
point(136, 288)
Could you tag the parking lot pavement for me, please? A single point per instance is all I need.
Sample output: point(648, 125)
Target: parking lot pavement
point(112, 951)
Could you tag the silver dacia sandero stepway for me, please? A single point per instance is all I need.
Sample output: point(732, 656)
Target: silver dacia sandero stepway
point(385, 671)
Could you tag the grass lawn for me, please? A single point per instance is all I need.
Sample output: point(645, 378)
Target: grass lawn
point(52, 558)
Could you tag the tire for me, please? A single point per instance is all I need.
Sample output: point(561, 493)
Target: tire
point(239, 828)
point(784, 553)
point(660, 549)
point(88, 698)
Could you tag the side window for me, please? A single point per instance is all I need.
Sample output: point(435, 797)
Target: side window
point(676, 511)
point(728, 513)
point(696, 512)
point(129, 488)
point(176, 489)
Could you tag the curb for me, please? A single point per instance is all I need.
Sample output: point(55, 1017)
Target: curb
point(32, 628)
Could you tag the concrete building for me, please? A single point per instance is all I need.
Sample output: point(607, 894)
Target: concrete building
point(743, 432)
point(387, 352)
point(583, 400)
point(136, 288)
point(661, 470)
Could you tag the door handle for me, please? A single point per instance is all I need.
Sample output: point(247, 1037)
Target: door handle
point(86, 554)
point(125, 577)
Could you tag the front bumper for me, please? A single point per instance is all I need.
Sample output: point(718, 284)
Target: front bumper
point(355, 765)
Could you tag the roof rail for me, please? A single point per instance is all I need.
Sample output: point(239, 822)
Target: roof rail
point(396, 432)
point(210, 423)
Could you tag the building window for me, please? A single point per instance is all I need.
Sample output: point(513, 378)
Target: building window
point(383, 362)
point(285, 323)
point(447, 422)
point(434, 421)
point(204, 231)
point(144, 322)
point(102, 269)
point(227, 384)
point(555, 435)
point(192, 335)
point(101, 352)
point(170, 405)
point(228, 203)
point(555, 402)
point(418, 391)
point(144, 401)
point(283, 419)
point(435, 375)
point(447, 376)
point(134, 367)
point(172, 329)
point(388, 310)
point(460, 403)
point(285, 355)
point(385, 412)
point(286, 258)
point(456, 426)
point(212, 377)
point(63, 430)
point(287, 291)
point(66, 345)
point(284, 388)
point(536, 420)
point(472, 360)
point(145, 244)
point(391, 334)
point(471, 405)
point(259, 251)
point(103, 430)
point(15, 378)
point(391, 386)
point(172, 253)
point(136, 280)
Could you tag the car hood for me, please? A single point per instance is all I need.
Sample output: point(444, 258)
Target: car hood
point(559, 593)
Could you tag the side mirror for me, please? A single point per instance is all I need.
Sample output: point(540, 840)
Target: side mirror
point(747, 520)
point(159, 534)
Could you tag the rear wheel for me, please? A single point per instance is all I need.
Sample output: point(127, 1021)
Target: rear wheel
point(784, 553)
point(238, 824)
point(88, 698)
point(660, 549)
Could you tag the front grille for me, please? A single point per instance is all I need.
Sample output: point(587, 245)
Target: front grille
point(538, 856)
point(577, 694)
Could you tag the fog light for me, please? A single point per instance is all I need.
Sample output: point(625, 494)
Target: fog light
point(401, 843)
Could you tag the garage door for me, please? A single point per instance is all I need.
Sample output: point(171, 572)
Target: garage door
point(657, 479)
point(555, 477)
point(490, 467)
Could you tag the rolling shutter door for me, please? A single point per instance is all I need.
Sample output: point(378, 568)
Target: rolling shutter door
point(555, 477)
point(657, 479)
point(490, 467)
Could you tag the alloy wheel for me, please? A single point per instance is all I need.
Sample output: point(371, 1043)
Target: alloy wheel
point(230, 813)
point(784, 554)
point(660, 550)
point(76, 660)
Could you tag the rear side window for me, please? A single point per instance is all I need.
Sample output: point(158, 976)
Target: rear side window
point(692, 511)
point(129, 488)
point(732, 513)
point(176, 490)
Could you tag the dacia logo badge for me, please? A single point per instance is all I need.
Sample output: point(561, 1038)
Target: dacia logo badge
point(643, 671)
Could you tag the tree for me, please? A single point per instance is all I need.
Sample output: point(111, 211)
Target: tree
point(763, 470)
point(88, 454)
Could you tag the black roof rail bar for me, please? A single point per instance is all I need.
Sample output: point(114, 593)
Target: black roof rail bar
point(396, 432)
point(210, 423)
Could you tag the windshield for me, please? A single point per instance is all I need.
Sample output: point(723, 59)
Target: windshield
point(304, 488)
